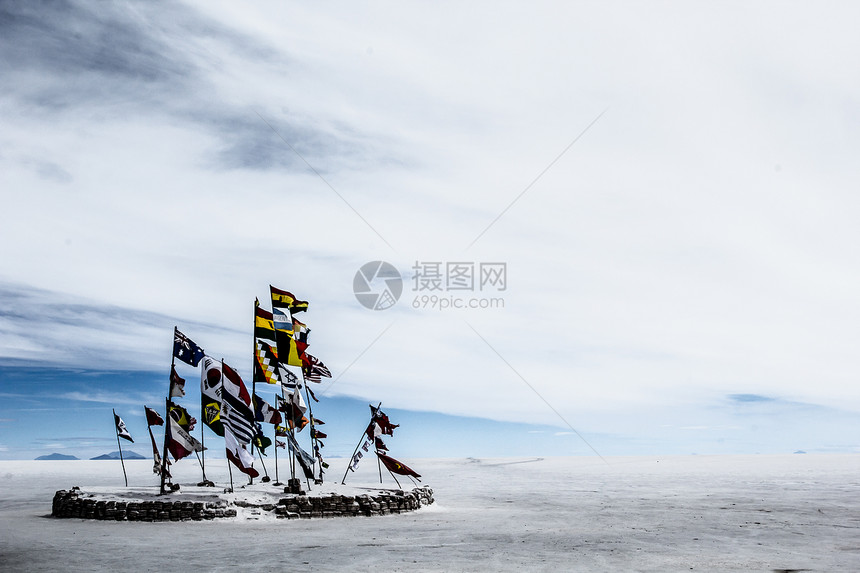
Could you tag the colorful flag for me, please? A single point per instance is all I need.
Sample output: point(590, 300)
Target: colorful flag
point(281, 444)
point(180, 442)
point(264, 412)
point(266, 366)
point(284, 299)
point(262, 442)
point(396, 467)
point(380, 445)
point(313, 369)
point(210, 394)
point(185, 349)
point(289, 349)
point(236, 411)
point(181, 416)
point(280, 431)
point(121, 430)
point(264, 326)
point(238, 454)
point(177, 384)
point(300, 330)
point(153, 418)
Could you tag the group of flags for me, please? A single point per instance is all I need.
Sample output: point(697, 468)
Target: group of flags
point(230, 410)
point(380, 425)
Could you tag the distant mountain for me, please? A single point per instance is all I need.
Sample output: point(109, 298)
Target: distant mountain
point(129, 455)
point(56, 456)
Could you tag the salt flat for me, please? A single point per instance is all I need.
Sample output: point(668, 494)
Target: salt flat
point(719, 513)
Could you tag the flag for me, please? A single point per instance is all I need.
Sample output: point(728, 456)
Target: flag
point(305, 460)
point(177, 384)
point(311, 393)
point(284, 299)
point(153, 418)
point(289, 380)
point(264, 326)
point(262, 442)
point(280, 431)
point(121, 430)
point(185, 420)
point(266, 365)
point(317, 434)
point(313, 369)
point(264, 412)
point(180, 442)
point(381, 418)
point(294, 407)
point(396, 467)
point(185, 349)
point(380, 445)
point(236, 411)
point(289, 349)
point(210, 394)
point(238, 454)
point(373, 430)
point(280, 444)
point(300, 330)
point(318, 422)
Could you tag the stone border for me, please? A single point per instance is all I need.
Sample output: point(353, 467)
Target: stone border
point(76, 503)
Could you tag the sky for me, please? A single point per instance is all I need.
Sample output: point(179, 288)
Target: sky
point(646, 214)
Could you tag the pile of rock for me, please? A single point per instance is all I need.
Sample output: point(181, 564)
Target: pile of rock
point(398, 501)
point(75, 503)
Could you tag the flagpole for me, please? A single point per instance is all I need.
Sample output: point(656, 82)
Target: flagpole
point(277, 480)
point(253, 377)
point(392, 475)
point(203, 445)
point(167, 416)
point(116, 430)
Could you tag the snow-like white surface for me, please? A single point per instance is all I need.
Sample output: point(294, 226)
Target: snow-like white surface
point(720, 513)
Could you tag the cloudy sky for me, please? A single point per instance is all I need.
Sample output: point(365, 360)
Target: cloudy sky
point(671, 187)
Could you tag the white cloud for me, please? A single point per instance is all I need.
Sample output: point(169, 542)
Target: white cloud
point(696, 242)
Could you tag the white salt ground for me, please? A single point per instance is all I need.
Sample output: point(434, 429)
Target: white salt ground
point(714, 513)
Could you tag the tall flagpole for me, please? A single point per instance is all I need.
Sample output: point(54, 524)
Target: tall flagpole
point(254, 378)
point(116, 430)
point(203, 445)
point(167, 415)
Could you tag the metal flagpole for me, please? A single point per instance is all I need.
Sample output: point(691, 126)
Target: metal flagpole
point(253, 377)
point(203, 445)
point(167, 416)
point(116, 430)
point(277, 480)
point(392, 475)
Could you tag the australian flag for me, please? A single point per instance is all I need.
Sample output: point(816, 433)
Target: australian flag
point(185, 349)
